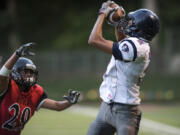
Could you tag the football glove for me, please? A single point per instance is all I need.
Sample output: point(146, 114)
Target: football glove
point(24, 50)
point(105, 8)
point(110, 15)
point(73, 96)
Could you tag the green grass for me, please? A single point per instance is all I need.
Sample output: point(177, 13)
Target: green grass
point(168, 115)
point(46, 122)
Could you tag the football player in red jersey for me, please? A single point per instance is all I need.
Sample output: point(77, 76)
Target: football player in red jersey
point(20, 95)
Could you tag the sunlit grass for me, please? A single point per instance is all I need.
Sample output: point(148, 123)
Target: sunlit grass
point(46, 122)
point(166, 114)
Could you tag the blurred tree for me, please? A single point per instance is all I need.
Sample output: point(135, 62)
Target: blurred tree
point(156, 57)
point(2, 4)
point(52, 24)
point(63, 25)
point(13, 39)
point(169, 13)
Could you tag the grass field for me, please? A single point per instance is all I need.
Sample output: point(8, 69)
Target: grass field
point(47, 122)
point(168, 114)
point(57, 123)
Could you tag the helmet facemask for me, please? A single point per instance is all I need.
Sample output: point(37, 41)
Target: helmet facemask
point(127, 26)
point(122, 25)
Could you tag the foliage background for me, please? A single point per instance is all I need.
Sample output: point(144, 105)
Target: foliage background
point(67, 24)
point(65, 60)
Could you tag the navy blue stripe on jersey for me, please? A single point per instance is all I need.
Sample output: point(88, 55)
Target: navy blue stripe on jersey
point(134, 48)
point(116, 52)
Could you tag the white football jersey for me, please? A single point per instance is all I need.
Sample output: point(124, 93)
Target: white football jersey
point(127, 66)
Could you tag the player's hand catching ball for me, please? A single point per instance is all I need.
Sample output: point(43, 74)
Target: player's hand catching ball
point(105, 8)
point(24, 50)
point(116, 14)
point(72, 97)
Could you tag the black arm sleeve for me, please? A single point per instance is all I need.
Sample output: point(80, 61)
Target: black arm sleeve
point(116, 52)
point(44, 96)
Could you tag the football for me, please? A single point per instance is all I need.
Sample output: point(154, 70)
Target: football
point(116, 15)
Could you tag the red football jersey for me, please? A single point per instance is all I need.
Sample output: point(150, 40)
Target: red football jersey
point(17, 107)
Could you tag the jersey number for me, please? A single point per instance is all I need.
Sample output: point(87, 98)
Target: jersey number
point(11, 124)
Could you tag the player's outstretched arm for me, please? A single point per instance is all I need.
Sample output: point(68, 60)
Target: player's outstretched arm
point(96, 38)
point(55, 105)
point(71, 99)
point(7, 67)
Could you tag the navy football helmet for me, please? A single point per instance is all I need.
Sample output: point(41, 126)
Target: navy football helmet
point(142, 23)
point(21, 67)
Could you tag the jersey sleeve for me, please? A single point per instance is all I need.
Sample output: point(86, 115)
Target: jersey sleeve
point(125, 50)
point(2, 96)
point(4, 92)
point(41, 100)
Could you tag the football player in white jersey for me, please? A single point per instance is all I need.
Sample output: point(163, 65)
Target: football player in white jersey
point(120, 109)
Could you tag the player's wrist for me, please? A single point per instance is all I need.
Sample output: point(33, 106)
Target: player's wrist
point(5, 71)
point(102, 12)
point(102, 15)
